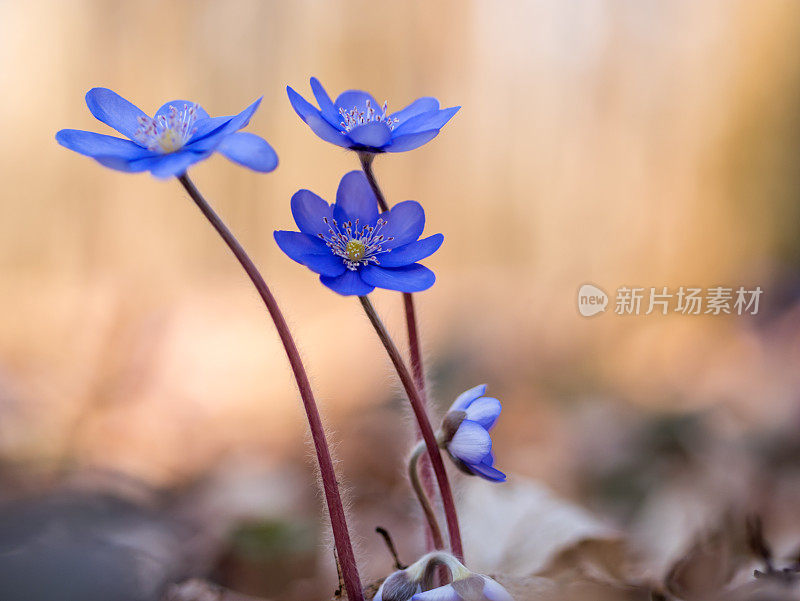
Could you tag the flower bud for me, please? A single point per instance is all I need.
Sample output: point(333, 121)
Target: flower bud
point(399, 586)
point(475, 587)
point(464, 433)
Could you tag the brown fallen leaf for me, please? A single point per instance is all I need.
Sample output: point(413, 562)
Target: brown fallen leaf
point(521, 528)
point(528, 588)
point(708, 566)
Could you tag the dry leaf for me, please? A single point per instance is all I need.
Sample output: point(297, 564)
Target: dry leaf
point(519, 528)
point(706, 569)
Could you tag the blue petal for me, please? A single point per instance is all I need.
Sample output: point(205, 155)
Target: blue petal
point(309, 212)
point(241, 120)
point(405, 222)
point(493, 590)
point(325, 103)
point(355, 99)
point(93, 145)
point(209, 142)
point(297, 244)
point(442, 593)
point(213, 139)
point(179, 104)
point(471, 443)
point(249, 150)
point(327, 264)
point(411, 253)
point(484, 411)
point(314, 119)
point(301, 106)
point(411, 141)
point(121, 164)
point(208, 126)
point(426, 121)
point(420, 105)
point(488, 472)
point(371, 135)
point(169, 165)
point(347, 284)
point(309, 251)
point(465, 399)
point(411, 278)
point(355, 200)
point(112, 109)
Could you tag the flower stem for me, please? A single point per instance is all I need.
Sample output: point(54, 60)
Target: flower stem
point(424, 425)
point(415, 351)
point(424, 501)
point(341, 536)
point(366, 159)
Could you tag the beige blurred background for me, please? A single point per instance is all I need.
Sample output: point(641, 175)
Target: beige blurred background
point(619, 143)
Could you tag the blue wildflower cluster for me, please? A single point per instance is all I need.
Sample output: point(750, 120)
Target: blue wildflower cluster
point(355, 245)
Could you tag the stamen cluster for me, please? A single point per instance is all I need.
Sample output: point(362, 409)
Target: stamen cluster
point(356, 244)
point(355, 117)
point(167, 133)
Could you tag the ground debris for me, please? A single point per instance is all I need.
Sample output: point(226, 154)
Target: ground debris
point(202, 590)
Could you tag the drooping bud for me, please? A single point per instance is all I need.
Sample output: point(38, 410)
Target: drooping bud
point(465, 586)
point(399, 586)
point(464, 433)
point(452, 420)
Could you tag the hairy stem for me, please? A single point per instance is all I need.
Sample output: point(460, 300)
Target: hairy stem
point(414, 347)
point(366, 159)
point(341, 536)
point(428, 436)
point(424, 500)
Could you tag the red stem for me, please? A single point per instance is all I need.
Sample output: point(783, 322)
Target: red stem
point(428, 436)
point(418, 371)
point(341, 536)
point(417, 368)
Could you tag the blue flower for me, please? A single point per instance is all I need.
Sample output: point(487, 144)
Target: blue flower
point(353, 248)
point(475, 587)
point(180, 134)
point(356, 121)
point(417, 583)
point(399, 586)
point(465, 433)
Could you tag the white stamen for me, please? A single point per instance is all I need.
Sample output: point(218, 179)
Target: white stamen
point(170, 132)
point(355, 117)
point(356, 244)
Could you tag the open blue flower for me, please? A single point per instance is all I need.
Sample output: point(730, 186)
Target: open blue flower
point(356, 121)
point(180, 134)
point(353, 248)
point(465, 433)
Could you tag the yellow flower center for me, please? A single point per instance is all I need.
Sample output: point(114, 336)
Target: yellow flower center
point(355, 250)
point(169, 132)
point(356, 244)
point(170, 140)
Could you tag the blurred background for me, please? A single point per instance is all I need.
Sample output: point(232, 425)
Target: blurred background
point(617, 143)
